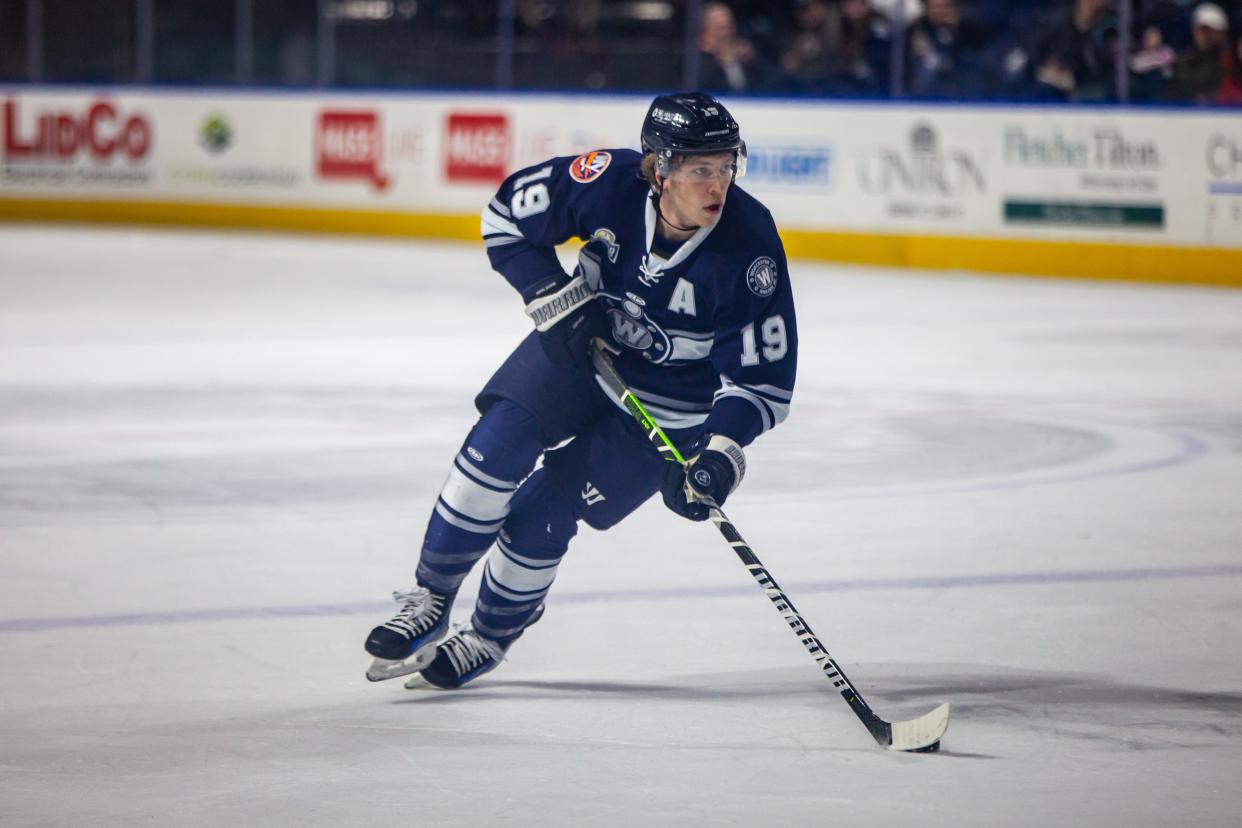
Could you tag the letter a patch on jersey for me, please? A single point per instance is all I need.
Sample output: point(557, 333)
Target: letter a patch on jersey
point(683, 298)
point(586, 168)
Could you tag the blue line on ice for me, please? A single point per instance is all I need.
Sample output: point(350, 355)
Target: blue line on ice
point(606, 596)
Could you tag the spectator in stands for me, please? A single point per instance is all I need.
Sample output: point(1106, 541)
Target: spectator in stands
point(841, 48)
point(1200, 71)
point(1230, 92)
point(943, 53)
point(1170, 17)
point(863, 38)
point(728, 62)
point(1074, 57)
point(1151, 64)
point(766, 24)
point(806, 57)
point(578, 50)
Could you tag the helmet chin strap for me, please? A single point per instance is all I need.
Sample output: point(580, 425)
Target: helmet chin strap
point(655, 201)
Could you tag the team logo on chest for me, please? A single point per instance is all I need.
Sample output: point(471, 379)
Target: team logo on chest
point(632, 328)
point(761, 277)
point(586, 168)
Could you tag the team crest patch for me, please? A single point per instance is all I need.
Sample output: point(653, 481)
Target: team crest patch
point(609, 239)
point(761, 277)
point(587, 168)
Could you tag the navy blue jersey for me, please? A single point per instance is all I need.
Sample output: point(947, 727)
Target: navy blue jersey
point(708, 337)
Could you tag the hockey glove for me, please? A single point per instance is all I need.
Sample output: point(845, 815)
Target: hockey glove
point(712, 475)
point(565, 312)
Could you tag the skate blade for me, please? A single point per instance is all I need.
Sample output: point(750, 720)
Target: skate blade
point(382, 669)
point(420, 683)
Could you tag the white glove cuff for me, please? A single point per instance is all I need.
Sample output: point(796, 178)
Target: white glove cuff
point(546, 311)
point(730, 449)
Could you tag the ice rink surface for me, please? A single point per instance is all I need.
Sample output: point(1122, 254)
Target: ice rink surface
point(217, 454)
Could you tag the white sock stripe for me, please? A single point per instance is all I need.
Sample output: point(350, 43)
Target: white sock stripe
point(469, 526)
point(472, 501)
point(467, 465)
point(518, 580)
point(509, 594)
point(531, 563)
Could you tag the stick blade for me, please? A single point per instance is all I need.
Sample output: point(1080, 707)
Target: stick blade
point(921, 734)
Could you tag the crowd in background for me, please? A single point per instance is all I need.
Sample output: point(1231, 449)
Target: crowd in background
point(1184, 51)
point(957, 49)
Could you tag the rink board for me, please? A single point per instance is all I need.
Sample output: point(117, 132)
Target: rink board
point(1103, 193)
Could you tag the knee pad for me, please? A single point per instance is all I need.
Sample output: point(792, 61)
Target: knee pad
point(504, 443)
point(498, 453)
point(541, 521)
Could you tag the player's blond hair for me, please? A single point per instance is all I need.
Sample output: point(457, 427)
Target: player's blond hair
point(648, 167)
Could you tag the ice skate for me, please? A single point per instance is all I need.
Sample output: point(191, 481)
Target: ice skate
point(406, 643)
point(463, 657)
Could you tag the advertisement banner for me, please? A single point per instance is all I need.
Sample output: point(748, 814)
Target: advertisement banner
point(1034, 173)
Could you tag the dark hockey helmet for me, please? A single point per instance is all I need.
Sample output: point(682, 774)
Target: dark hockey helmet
point(690, 123)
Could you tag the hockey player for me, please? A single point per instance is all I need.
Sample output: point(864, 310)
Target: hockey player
point(684, 278)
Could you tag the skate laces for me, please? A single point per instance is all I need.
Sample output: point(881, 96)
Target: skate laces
point(413, 599)
point(466, 649)
point(414, 602)
point(419, 611)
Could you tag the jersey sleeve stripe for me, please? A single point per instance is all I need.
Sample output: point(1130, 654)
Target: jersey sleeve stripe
point(765, 413)
point(499, 208)
point(493, 223)
point(772, 412)
point(499, 241)
point(770, 392)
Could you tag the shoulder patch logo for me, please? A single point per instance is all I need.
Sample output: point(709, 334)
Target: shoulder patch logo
point(609, 239)
point(761, 277)
point(586, 168)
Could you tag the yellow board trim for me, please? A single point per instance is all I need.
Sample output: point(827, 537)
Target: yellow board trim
point(1028, 257)
point(298, 219)
point(1079, 259)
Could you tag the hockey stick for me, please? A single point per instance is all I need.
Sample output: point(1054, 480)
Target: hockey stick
point(921, 735)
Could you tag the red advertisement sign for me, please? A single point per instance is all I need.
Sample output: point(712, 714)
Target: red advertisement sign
point(477, 148)
point(350, 145)
point(101, 129)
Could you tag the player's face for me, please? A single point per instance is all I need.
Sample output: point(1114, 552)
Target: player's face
point(694, 193)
